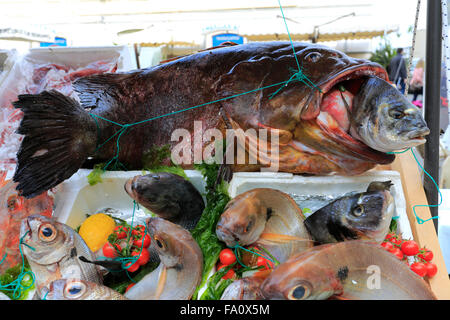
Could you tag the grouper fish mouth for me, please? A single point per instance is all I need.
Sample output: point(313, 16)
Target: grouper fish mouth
point(342, 120)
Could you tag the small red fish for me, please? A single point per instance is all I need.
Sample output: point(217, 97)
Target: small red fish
point(13, 208)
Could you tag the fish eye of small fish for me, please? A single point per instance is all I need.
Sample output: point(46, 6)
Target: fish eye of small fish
point(74, 289)
point(47, 232)
point(300, 291)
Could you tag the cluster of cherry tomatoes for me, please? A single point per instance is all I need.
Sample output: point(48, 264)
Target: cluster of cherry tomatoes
point(409, 248)
point(121, 244)
point(227, 257)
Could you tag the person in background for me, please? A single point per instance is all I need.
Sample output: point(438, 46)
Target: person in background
point(416, 84)
point(397, 71)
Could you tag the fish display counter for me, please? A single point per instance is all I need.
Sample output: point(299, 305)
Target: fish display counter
point(338, 220)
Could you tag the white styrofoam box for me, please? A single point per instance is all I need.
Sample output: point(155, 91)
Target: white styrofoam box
point(324, 185)
point(74, 198)
point(77, 57)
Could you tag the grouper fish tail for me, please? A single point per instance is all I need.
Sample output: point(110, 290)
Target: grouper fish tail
point(59, 135)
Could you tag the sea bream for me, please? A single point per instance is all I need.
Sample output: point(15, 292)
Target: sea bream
point(180, 270)
point(355, 270)
point(265, 217)
point(343, 119)
point(53, 249)
point(365, 215)
point(13, 209)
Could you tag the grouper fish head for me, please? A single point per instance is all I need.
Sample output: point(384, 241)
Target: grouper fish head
point(385, 120)
point(291, 106)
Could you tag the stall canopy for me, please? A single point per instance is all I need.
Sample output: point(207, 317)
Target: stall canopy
point(97, 22)
point(19, 34)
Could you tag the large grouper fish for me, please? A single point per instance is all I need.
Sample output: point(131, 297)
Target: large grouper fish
point(342, 119)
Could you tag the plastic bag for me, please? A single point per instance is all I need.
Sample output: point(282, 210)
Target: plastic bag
point(32, 77)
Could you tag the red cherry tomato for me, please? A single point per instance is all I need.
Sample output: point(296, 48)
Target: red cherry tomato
point(395, 240)
point(397, 252)
point(431, 269)
point(389, 236)
point(139, 229)
point(143, 258)
point(410, 248)
point(419, 268)
point(426, 255)
point(227, 257)
point(387, 245)
point(132, 267)
point(142, 239)
point(129, 286)
point(121, 232)
point(109, 251)
point(230, 274)
point(263, 262)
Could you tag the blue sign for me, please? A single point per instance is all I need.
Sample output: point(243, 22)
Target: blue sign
point(59, 42)
point(224, 37)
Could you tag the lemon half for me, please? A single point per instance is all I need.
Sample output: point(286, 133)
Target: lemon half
point(96, 229)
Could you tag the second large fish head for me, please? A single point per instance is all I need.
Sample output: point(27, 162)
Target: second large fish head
point(384, 119)
point(365, 215)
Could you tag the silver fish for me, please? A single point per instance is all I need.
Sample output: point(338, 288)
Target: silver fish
point(354, 270)
point(365, 215)
point(180, 270)
point(244, 289)
point(265, 217)
point(52, 249)
point(75, 289)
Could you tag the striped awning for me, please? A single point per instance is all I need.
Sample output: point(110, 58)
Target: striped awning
point(322, 37)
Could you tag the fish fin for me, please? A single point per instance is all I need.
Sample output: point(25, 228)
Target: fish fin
point(339, 297)
point(161, 283)
point(262, 274)
point(107, 264)
point(335, 141)
point(59, 135)
point(281, 238)
point(102, 90)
